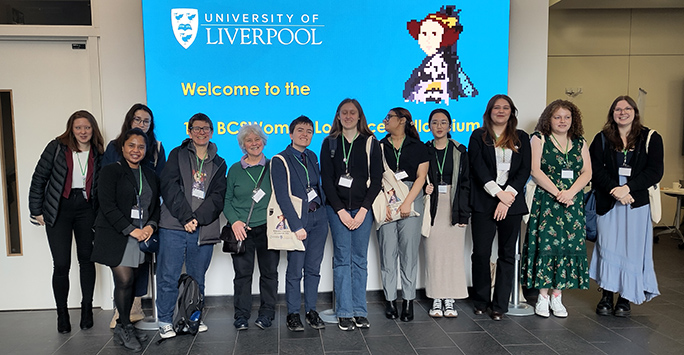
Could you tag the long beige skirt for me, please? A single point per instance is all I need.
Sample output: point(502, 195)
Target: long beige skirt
point(444, 255)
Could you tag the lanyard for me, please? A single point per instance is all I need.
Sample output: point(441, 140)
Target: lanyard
point(80, 166)
point(441, 167)
point(397, 155)
point(200, 165)
point(252, 177)
point(567, 143)
point(345, 154)
point(624, 153)
point(308, 182)
point(141, 184)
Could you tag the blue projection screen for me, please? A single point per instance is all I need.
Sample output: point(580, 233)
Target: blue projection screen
point(267, 62)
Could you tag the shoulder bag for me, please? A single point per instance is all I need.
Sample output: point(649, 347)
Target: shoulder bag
point(654, 192)
point(392, 193)
point(278, 232)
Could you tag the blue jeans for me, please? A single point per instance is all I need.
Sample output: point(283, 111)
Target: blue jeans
point(350, 261)
point(310, 261)
point(175, 248)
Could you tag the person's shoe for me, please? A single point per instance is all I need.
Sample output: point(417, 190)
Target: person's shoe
point(497, 316)
point(86, 315)
point(557, 306)
point(202, 327)
point(63, 321)
point(166, 331)
point(542, 306)
point(241, 323)
point(142, 337)
point(126, 337)
point(294, 323)
point(449, 310)
point(346, 324)
point(137, 313)
point(622, 308)
point(479, 312)
point(263, 322)
point(407, 311)
point(436, 310)
point(314, 320)
point(391, 310)
point(605, 305)
point(361, 322)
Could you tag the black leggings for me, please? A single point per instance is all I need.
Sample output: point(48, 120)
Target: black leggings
point(124, 282)
point(76, 216)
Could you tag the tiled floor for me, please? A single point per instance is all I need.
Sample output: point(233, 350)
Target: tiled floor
point(656, 327)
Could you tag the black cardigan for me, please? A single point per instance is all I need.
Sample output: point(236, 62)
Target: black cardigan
point(483, 169)
point(460, 207)
point(117, 197)
point(647, 170)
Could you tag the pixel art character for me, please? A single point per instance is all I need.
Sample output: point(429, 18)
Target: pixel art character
point(440, 76)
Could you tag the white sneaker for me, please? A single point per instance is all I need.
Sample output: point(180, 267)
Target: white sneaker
point(167, 331)
point(202, 327)
point(436, 310)
point(449, 310)
point(542, 307)
point(557, 307)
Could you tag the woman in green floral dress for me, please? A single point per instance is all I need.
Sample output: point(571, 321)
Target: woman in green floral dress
point(554, 254)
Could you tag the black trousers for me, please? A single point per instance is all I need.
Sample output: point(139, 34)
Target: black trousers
point(484, 229)
point(243, 264)
point(76, 217)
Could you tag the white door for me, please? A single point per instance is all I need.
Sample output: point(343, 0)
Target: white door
point(49, 81)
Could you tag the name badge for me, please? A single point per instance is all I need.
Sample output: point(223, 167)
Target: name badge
point(567, 174)
point(400, 175)
point(503, 166)
point(346, 181)
point(311, 194)
point(258, 195)
point(85, 195)
point(625, 171)
point(136, 212)
point(198, 193)
point(442, 188)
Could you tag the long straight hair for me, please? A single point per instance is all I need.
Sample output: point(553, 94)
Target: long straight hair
point(509, 138)
point(409, 127)
point(361, 125)
point(69, 139)
point(610, 129)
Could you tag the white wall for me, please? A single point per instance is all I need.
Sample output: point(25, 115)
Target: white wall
point(118, 32)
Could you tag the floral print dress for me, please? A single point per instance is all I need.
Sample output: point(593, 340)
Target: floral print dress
point(554, 253)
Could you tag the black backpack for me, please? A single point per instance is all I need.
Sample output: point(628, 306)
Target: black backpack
point(189, 308)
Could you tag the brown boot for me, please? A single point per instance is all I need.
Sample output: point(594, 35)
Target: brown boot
point(137, 313)
point(112, 324)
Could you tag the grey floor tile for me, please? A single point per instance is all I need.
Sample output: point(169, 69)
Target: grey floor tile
point(381, 326)
point(536, 322)
point(508, 332)
point(256, 341)
point(425, 335)
point(533, 349)
point(667, 326)
point(306, 346)
point(588, 329)
point(83, 345)
point(440, 351)
point(179, 345)
point(460, 324)
point(477, 344)
point(389, 345)
point(566, 342)
point(338, 340)
point(621, 348)
point(652, 341)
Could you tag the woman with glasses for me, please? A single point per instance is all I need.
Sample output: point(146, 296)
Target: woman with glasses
point(624, 167)
point(138, 116)
point(499, 157)
point(408, 158)
point(63, 198)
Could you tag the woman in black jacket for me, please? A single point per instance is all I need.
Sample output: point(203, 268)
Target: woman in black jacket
point(449, 191)
point(128, 215)
point(500, 166)
point(63, 198)
point(624, 167)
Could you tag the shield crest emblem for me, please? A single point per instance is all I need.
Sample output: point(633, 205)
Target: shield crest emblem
point(184, 23)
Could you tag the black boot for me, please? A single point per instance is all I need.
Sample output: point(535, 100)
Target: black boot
point(391, 310)
point(125, 335)
point(605, 305)
point(86, 315)
point(407, 311)
point(622, 308)
point(63, 321)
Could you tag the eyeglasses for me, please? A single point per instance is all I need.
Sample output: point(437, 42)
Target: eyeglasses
point(141, 121)
point(388, 117)
point(206, 129)
point(625, 110)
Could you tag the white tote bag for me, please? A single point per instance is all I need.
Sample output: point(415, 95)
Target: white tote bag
point(278, 232)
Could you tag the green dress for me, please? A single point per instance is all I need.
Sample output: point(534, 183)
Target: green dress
point(554, 253)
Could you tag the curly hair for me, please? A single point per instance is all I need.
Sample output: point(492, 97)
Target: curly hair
point(544, 124)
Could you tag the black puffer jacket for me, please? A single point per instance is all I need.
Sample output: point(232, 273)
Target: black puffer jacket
point(47, 183)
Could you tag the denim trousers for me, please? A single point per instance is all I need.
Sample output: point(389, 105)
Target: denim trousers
point(350, 261)
point(309, 261)
point(176, 248)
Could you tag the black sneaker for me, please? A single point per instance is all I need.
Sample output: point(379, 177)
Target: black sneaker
point(241, 323)
point(294, 323)
point(263, 322)
point(346, 323)
point(362, 322)
point(314, 320)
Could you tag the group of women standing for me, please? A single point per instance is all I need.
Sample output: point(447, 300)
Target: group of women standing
point(483, 185)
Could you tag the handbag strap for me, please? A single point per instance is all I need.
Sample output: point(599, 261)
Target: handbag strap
point(648, 139)
point(369, 150)
point(251, 208)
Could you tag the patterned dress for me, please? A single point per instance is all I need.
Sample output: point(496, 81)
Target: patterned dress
point(554, 253)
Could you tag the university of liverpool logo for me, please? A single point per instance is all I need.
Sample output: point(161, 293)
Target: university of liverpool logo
point(184, 23)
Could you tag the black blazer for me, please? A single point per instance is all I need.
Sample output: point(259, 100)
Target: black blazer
point(117, 195)
point(483, 169)
point(647, 170)
point(460, 206)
